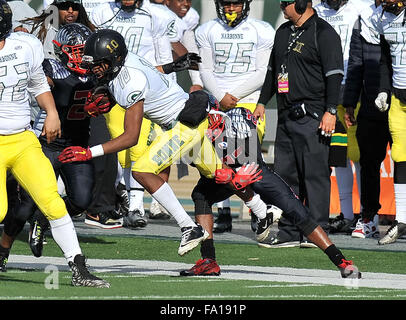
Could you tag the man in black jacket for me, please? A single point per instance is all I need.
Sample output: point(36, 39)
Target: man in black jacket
point(305, 71)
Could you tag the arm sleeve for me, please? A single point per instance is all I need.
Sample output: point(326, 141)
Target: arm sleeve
point(206, 73)
point(189, 42)
point(257, 78)
point(333, 85)
point(269, 86)
point(355, 71)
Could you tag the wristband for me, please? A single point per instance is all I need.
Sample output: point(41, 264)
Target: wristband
point(97, 151)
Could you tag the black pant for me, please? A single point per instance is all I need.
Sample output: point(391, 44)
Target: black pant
point(104, 193)
point(301, 159)
point(373, 138)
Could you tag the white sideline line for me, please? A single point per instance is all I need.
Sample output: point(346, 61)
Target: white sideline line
point(228, 272)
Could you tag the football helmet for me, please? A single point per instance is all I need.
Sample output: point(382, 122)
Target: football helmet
point(216, 119)
point(68, 46)
point(5, 19)
point(335, 4)
point(131, 8)
point(232, 20)
point(393, 6)
point(105, 46)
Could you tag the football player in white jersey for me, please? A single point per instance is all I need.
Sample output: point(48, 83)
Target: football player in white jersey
point(342, 15)
point(21, 59)
point(389, 21)
point(144, 91)
point(184, 10)
point(235, 50)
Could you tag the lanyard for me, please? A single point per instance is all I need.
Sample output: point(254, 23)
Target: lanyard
point(292, 42)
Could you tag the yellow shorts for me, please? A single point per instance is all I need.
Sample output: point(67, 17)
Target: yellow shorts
point(397, 128)
point(261, 124)
point(352, 148)
point(115, 124)
point(179, 142)
point(22, 154)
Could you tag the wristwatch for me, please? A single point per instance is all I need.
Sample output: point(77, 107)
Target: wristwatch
point(332, 110)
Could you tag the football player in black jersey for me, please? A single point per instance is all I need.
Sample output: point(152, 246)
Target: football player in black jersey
point(70, 87)
point(237, 144)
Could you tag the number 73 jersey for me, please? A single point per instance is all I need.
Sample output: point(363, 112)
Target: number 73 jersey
point(234, 50)
point(20, 70)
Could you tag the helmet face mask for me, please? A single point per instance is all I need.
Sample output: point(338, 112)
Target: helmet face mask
point(68, 46)
point(232, 19)
point(5, 19)
point(393, 6)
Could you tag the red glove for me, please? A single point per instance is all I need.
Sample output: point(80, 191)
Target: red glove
point(224, 176)
point(97, 104)
point(72, 154)
point(246, 175)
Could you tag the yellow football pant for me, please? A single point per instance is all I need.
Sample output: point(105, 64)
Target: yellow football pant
point(180, 141)
point(397, 128)
point(22, 154)
point(352, 148)
point(115, 124)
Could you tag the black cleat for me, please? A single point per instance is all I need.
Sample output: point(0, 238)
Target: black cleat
point(81, 277)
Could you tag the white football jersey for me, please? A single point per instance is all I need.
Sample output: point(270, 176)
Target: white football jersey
point(343, 21)
point(20, 62)
point(138, 79)
point(391, 27)
point(140, 28)
point(234, 50)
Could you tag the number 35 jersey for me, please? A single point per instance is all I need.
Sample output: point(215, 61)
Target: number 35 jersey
point(234, 50)
point(20, 70)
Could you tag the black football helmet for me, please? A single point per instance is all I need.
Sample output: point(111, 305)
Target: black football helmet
point(335, 4)
point(105, 46)
point(232, 20)
point(393, 6)
point(5, 19)
point(68, 45)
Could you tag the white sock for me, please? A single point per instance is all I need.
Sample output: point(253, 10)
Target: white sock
point(223, 204)
point(345, 179)
point(136, 196)
point(166, 197)
point(400, 201)
point(257, 206)
point(64, 234)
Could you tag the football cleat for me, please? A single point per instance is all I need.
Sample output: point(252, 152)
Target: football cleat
point(81, 277)
point(223, 223)
point(36, 238)
point(273, 214)
point(103, 220)
point(122, 198)
point(158, 212)
point(134, 219)
point(3, 259)
point(340, 225)
point(348, 270)
point(365, 228)
point(191, 238)
point(396, 230)
point(203, 267)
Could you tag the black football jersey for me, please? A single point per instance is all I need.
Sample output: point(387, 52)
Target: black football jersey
point(70, 92)
point(239, 143)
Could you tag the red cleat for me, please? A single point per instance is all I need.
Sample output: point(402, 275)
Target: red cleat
point(203, 267)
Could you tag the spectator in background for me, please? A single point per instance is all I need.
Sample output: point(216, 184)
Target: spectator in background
point(305, 71)
point(389, 22)
point(372, 132)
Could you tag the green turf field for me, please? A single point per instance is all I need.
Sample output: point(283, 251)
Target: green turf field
point(236, 260)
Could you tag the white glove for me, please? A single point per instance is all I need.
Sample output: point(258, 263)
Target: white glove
point(380, 101)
